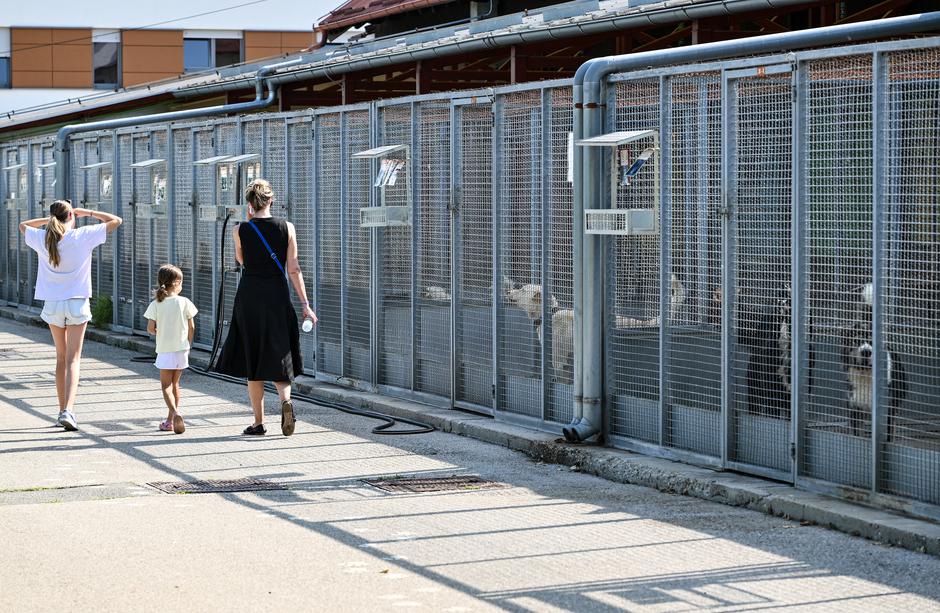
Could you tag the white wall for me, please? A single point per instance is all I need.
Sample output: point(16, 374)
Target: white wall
point(288, 15)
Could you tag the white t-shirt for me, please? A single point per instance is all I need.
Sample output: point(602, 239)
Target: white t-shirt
point(172, 317)
point(72, 277)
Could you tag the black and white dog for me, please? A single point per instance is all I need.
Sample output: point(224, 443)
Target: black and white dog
point(858, 357)
point(767, 334)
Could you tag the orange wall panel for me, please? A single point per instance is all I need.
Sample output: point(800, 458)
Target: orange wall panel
point(71, 58)
point(30, 36)
point(256, 53)
point(30, 57)
point(71, 36)
point(295, 41)
point(29, 78)
point(159, 38)
point(75, 80)
point(262, 39)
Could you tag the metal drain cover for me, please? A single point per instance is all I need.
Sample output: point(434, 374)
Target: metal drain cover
point(211, 486)
point(422, 485)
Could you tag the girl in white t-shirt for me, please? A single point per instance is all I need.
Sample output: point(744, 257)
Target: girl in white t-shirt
point(170, 318)
point(63, 283)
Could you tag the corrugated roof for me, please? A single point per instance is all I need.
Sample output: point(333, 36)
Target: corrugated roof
point(361, 11)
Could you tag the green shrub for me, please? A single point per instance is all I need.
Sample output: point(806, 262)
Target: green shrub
point(101, 311)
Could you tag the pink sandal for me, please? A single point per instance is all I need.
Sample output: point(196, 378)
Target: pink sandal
point(166, 426)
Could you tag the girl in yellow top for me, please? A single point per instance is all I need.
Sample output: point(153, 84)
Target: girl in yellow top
point(170, 317)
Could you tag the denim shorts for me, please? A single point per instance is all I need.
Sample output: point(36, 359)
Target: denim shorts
point(71, 312)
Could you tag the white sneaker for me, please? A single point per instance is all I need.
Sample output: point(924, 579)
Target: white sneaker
point(58, 420)
point(67, 421)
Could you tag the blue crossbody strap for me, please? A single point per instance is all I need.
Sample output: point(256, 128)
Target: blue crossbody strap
point(268, 247)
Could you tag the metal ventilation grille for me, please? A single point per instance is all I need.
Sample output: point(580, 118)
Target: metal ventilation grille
point(423, 485)
point(216, 486)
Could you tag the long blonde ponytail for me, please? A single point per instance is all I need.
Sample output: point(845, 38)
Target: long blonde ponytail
point(55, 229)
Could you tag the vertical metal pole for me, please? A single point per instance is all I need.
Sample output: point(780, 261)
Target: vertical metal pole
point(287, 163)
point(344, 255)
point(878, 266)
point(171, 195)
point(133, 203)
point(496, 174)
point(315, 217)
point(454, 208)
point(665, 252)
point(193, 204)
point(151, 223)
point(727, 269)
point(31, 262)
point(799, 349)
point(416, 222)
point(216, 225)
point(376, 257)
point(5, 234)
point(544, 148)
point(115, 208)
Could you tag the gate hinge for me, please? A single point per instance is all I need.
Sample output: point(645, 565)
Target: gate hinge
point(493, 391)
point(792, 451)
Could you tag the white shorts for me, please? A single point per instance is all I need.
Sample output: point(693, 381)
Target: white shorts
point(71, 312)
point(173, 360)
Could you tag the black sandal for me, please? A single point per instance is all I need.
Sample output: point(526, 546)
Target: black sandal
point(255, 430)
point(287, 418)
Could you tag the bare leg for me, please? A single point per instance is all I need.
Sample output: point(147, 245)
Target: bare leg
point(58, 337)
point(176, 388)
point(166, 386)
point(74, 339)
point(256, 396)
point(283, 390)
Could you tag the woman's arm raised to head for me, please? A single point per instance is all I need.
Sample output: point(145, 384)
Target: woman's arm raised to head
point(111, 221)
point(33, 223)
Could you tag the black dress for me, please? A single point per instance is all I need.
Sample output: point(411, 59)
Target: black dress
point(263, 342)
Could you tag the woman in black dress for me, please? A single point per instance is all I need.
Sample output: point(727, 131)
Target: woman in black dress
point(263, 342)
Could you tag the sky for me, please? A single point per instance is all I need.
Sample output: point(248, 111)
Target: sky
point(256, 15)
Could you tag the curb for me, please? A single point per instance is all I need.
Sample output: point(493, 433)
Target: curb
point(614, 465)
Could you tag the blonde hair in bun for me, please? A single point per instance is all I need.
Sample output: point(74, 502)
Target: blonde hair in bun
point(259, 194)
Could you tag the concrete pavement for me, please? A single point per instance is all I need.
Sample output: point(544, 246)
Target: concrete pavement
point(82, 530)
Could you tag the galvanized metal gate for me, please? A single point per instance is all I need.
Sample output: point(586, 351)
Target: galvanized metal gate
point(757, 156)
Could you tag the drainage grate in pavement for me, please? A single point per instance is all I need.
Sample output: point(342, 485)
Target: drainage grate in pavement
point(434, 484)
point(211, 486)
point(8, 353)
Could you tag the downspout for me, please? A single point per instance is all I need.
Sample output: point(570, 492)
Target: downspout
point(62, 158)
point(589, 85)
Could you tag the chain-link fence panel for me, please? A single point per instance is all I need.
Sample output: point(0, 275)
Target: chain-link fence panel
point(184, 215)
point(909, 128)
point(142, 228)
point(228, 142)
point(520, 326)
point(835, 442)
point(558, 262)
point(760, 171)
point(632, 272)
point(125, 194)
point(395, 265)
point(432, 219)
point(207, 239)
point(474, 261)
point(692, 411)
point(300, 205)
point(327, 144)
